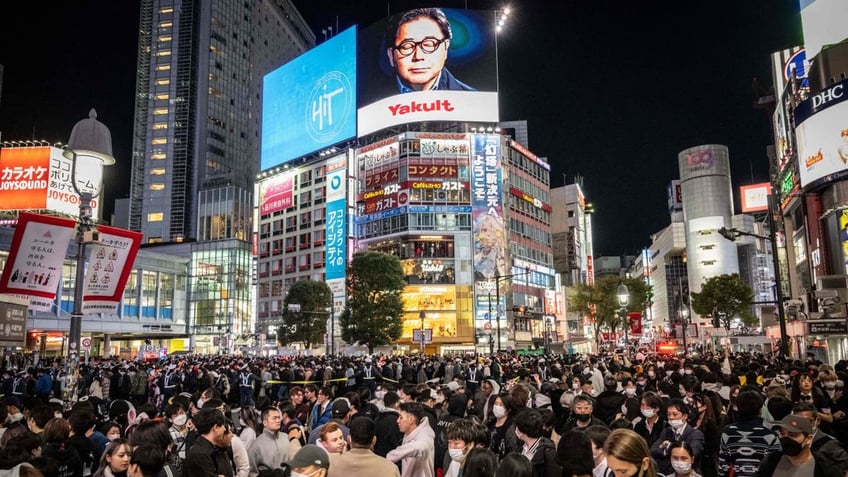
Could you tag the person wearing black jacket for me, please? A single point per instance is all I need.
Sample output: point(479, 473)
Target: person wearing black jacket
point(457, 406)
point(538, 449)
point(208, 455)
point(386, 428)
point(608, 403)
point(67, 458)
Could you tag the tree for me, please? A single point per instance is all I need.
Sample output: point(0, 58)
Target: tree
point(601, 301)
point(374, 312)
point(724, 298)
point(305, 312)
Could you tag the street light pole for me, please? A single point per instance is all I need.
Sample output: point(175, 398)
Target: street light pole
point(422, 315)
point(623, 299)
point(498, 279)
point(89, 149)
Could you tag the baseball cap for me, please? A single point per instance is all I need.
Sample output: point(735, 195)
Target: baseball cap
point(308, 455)
point(340, 407)
point(795, 424)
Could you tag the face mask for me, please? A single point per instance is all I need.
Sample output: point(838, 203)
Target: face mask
point(456, 455)
point(498, 411)
point(791, 447)
point(112, 437)
point(380, 394)
point(587, 371)
point(643, 383)
point(16, 417)
point(630, 391)
point(676, 423)
point(200, 403)
point(681, 371)
point(649, 413)
point(669, 373)
point(583, 417)
point(575, 386)
point(681, 467)
point(58, 415)
point(830, 384)
point(688, 371)
point(180, 420)
point(651, 374)
point(440, 398)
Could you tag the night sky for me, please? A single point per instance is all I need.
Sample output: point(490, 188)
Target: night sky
point(612, 90)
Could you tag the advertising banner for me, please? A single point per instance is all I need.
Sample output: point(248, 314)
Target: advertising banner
point(310, 102)
point(275, 193)
point(754, 197)
point(675, 196)
point(635, 322)
point(428, 64)
point(336, 231)
point(39, 178)
point(110, 262)
point(489, 235)
point(36, 256)
point(822, 134)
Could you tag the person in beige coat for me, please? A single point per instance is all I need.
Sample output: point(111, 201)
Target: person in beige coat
point(360, 460)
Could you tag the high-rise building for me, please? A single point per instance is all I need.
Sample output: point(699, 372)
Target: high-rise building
point(196, 139)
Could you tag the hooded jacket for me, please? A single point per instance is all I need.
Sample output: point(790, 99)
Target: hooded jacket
point(417, 452)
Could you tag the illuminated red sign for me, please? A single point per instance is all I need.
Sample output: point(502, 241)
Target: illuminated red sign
point(529, 198)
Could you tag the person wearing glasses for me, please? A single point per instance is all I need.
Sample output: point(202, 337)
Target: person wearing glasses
point(417, 46)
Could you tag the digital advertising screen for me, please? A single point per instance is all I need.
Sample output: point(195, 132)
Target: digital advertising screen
point(821, 132)
point(427, 64)
point(310, 102)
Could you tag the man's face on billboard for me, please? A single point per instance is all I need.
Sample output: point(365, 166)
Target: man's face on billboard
point(417, 68)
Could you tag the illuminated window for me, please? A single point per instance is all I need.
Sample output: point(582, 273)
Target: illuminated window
point(166, 24)
point(159, 140)
point(159, 171)
point(160, 126)
point(155, 217)
point(166, 10)
point(160, 111)
point(163, 67)
point(163, 53)
point(162, 96)
point(158, 155)
point(165, 38)
point(163, 82)
point(157, 186)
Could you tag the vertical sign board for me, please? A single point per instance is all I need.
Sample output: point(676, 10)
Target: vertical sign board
point(488, 236)
point(336, 240)
point(34, 266)
point(110, 262)
point(12, 324)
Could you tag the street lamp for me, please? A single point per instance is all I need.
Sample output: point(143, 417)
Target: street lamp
point(623, 295)
point(89, 149)
point(498, 279)
point(683, 311)
point(422, 315)
point(732, 234)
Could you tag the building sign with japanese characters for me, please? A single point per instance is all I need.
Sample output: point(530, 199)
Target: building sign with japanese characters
point(34, 266)
point(488, 235)
point(336, 232)
point(40, 178)
point(110, 262)
point(275, 193)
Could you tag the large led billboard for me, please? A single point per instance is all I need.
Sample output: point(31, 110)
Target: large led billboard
point(40, 178)
point(823, 22)
point(310, 102)
point(821, 131)
point(427, 64)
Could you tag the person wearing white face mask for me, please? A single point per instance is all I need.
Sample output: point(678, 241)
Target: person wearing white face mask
point(598, 435)
point(678, 430)
point(461, 439)
point(179, 428)
point(650, 426)
point(310, 461)
point(682, 461)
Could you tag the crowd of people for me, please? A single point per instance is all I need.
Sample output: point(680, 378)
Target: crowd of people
point(645, 415)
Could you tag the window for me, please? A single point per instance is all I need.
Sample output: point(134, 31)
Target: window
point(166, 24)
point(166, 10)
point(159, 171)
point(163, 67)
point(157, 186)
point(158, 155)
point(158, 126)
point(159, 140)
point(163, 53)
point(162, 96)
point(163, 82)
point(160, 111)
point(165, 38)
point(155, 217)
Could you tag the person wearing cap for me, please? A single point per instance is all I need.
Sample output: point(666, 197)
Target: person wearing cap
point(825, 447)
point(310, 461)
point(369, 376)
point(360, 461)
point(796, 457)
point(417, 452)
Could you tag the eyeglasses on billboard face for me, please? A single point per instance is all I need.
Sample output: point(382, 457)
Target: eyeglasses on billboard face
point(427, 45)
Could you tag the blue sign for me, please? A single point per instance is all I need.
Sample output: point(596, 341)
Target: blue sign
point(310, 102)
point(336, 247)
